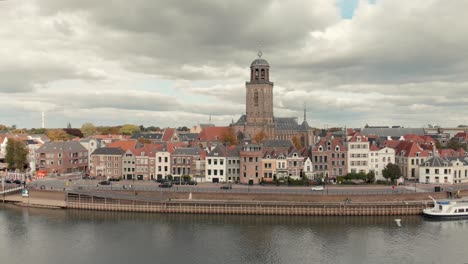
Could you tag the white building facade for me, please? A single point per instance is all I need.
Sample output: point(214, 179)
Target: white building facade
point(378, 160)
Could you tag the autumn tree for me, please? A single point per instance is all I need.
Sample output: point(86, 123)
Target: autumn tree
point(129, 129)
point(260, 136)
point(16, 154)
point(88, 129)
point(297, 143)
point(57, 135)
point(230, 138)
point(109, 130)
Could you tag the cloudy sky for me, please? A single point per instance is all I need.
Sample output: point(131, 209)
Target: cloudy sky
point(176, 62)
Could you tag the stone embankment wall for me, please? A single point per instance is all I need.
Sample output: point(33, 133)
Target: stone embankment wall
point(258, 204)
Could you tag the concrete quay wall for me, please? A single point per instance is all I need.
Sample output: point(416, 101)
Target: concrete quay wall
point(92, 202)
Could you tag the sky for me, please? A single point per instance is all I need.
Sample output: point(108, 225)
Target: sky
point(176, 63)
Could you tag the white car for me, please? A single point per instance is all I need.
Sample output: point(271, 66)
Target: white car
point(317, 188)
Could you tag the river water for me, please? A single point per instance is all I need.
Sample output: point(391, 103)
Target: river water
point(41, 236)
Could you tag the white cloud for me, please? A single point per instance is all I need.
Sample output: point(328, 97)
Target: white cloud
point(174, 63)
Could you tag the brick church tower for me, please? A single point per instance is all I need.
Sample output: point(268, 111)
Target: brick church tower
point(259, 93)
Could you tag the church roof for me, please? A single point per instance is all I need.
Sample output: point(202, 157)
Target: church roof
point(286, 123)
point(259, 62)
point(304, 126)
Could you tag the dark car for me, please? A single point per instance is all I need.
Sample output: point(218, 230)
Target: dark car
point(160, 180)
point(165, 185)
point(104, 183)
point(114, 179)
point(17, 182)
point(226, 187)
point(7, 181)
point(192, 183)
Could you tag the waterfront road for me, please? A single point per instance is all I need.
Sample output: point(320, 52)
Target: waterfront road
point(58, 183)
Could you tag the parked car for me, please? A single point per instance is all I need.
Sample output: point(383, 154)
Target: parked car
point(165, 185)
point(8, 181)
point(226, 187)
point(317, 188)
point(114, 179)
point(161, 180)
point(17, 182)
point(192, 182)
point(104, 183)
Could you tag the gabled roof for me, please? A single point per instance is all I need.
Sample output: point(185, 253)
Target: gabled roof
point(108, 151)
point(357, 137)
point(373, 147)
point(420, 139)
point(187, 151)
point(168, 133)
point(61, 146)
point(218, 151)
point(293, 150)
point(213, 134)
point(436, 162)
point(333, 144)
point(409, 149)
point(123, 144)
point(391, 143)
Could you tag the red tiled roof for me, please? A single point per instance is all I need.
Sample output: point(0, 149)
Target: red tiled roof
point(419, 139)
point(409, 149)
point(110, 137)
point(168, 133)
point(213, 134)
point(123, 144)
point(391, 143)
point(355, 136)
point(171, 146)
point(373, 147)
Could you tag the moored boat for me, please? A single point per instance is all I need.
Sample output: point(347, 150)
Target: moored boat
point(446, 210)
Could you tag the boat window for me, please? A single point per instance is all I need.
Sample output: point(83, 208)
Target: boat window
point(456, 211)
point(440, 207)
point(461, 210)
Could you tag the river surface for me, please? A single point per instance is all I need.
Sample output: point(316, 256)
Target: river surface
point(43, 236)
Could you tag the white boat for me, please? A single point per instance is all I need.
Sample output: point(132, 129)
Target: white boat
point(450, 209)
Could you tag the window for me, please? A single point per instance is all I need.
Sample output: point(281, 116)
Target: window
point(256, 98)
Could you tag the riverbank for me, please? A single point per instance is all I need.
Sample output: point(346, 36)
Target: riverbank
point(230, 203)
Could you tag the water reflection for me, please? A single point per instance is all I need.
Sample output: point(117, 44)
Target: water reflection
point(79, 236)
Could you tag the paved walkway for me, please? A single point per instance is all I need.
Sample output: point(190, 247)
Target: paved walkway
point(39, 199)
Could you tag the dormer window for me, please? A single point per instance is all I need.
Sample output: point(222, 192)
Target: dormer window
point(417, 154)
point(320, 148)
point(337, 148)
point(427, 164)
point(268, 156)
point(359, 139)
point(295, 155)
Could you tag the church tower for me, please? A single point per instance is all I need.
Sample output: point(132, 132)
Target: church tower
point(259, 94)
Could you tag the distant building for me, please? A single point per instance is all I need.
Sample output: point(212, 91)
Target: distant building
point(444, 170)
point(250, 163)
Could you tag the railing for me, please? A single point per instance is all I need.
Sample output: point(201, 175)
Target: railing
point(11, 190)
point(90, 201)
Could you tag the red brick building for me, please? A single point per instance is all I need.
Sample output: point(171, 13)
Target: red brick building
point(250, 164)
point(107, 162)
point(62, 157)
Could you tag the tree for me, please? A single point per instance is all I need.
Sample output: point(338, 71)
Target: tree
point(16, 154)
point(129, 129)
point(57, 134)
point(260, 136)
point(184, 129)
point(230, 138)
point(88, 129)
point(153, 129)
point(371, 177)
point(297, 142)
point(391, 172)
point(109, 130)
